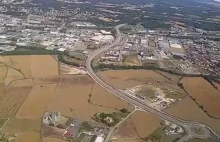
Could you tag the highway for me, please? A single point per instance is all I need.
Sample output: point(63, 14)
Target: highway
point(186, 125)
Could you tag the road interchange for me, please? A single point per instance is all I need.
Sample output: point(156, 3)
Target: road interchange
point(186, 125)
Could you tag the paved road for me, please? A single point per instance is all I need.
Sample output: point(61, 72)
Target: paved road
point(208, 132)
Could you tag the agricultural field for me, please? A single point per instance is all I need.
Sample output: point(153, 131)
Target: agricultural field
point(16, 125)
point(169, 76)
point(204, 94)
point(99, 96)
point(201, 140)
point(140, 126)
point(144, 123)
point(76, 96)
point(48, 139)
point(48, 66)
point(28, 137)
point(126, 131)
point(217, 85)
point(129, 78)
point(187, 109)
point(12, 99)
point(2, 122)
point(12, 74)
point(126, 140)
point(37, 100)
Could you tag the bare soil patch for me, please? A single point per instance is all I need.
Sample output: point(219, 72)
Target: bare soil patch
point(144, 123)
point(48, 139)
point(126, 130)
point(66, 69)
point(28, 137)
point(11, 101)
point(15, 125)
point(204, 94)
point(187, 109)
point(130, 78)
point(104, 98)
point(43, 66)
point(37, 100)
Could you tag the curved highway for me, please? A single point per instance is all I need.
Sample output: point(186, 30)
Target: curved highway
point(208, 132)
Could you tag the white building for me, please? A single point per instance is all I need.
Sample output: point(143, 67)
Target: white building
point(99, 139)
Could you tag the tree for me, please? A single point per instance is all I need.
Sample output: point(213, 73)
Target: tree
point(124, 110)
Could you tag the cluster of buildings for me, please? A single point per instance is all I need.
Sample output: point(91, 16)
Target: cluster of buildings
point(74, 129)
point(204, 54)
point(190, 56)
point(35, 31)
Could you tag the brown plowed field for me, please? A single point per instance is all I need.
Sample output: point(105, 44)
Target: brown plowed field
point(47, 139)
point(187, 109)
point(21, 83)
point(72, 101)
point(12, 74)
point(28, 137)
point(43, 66)
point(102, 97)
point(204, 93)
point(130, 78)
point(20, 63)
point(11, 100)
point(37, 100)
point(15, 125)
point(126, 140)
point(144, 123)
point(126, 130)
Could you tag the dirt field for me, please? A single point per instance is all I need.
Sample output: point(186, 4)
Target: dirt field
point(15, 125)
point(12, 74)
point(47, 139)
point(201, 140)
point(12, 100)
point(21, 83)
point(37, 100)
point(144, 123)
point(43, 66)
point(102, 97)
point(130, 78)
point(217, 85)
point(64, 79)
point(66, 69)
point(188, 110)
point(126, 131)
point(3, 73)
point(126, 140)
point(204, 93)
point(169, 76)
point(28, 137)
point(20, 63)
point(72, 100)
